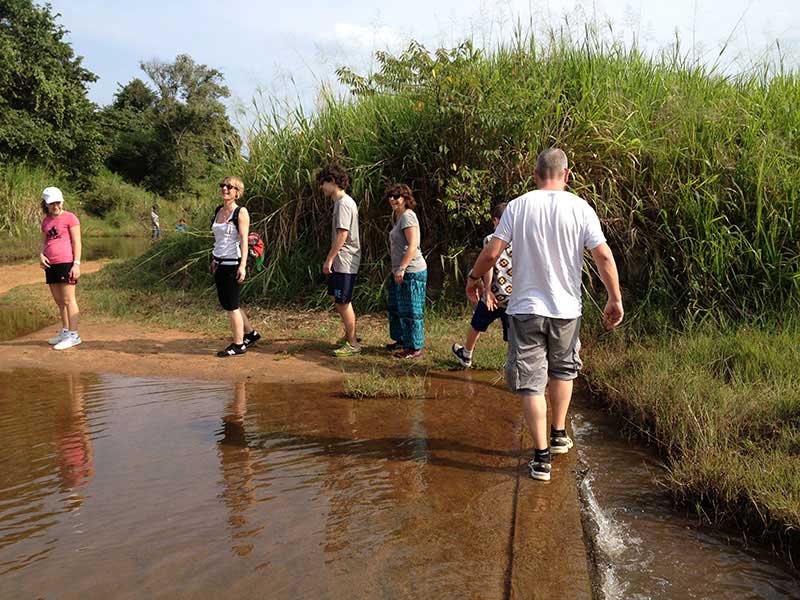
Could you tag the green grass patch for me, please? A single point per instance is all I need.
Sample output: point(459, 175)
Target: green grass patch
point(724, 409)
point(377, 384)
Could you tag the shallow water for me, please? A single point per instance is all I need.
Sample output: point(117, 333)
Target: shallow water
point(653, 551)
point(125, 487)
point(115, 247)
point(128, 487)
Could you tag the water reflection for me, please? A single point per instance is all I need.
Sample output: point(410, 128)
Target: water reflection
point(73, 443)
point(238, 472)
point(124, 487)
point(48, 462)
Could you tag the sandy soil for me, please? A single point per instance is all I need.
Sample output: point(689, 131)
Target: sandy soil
point(131, 349)
point(114, 347)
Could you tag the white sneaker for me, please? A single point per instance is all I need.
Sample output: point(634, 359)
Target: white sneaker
point(60, 337)
point(72, 339)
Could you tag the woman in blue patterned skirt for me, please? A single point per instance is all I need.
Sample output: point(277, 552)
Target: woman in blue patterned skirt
point(408, 282)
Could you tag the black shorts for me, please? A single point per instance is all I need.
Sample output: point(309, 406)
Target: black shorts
point(228, 289)
point(483, 317)
point(340, 286)
point(59, 273)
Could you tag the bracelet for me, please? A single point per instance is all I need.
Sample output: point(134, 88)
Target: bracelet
point(76, 262)
point(472, 277)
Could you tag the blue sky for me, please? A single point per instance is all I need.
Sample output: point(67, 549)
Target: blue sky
point(288, 49)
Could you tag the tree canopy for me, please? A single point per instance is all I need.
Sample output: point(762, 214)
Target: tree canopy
point(45, 114)
point(171, 134)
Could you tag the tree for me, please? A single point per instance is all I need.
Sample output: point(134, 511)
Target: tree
point(169, 137)
point(128, 127)
point(45, 114)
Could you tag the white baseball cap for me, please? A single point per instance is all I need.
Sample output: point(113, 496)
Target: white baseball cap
point(51, 195)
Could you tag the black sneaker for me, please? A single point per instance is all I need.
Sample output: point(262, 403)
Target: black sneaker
point(233, 350)
point(560, 443)
point(251, 338)
point(540, 470)
point(459, 352)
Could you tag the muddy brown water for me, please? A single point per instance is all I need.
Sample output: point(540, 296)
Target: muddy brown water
point(648, 549)
point(124, 487)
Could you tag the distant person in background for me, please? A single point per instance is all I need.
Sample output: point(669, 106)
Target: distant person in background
point(230, 226)
point(492, 306)
point(550, 228)
point(61, 260)
point(344, 257)
point(408, 282)
point(181, 226)
point(156, 228)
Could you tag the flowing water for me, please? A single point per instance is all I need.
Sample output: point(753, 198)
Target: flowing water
point(647, 549)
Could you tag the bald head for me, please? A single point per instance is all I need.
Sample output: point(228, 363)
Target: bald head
point(551, 164)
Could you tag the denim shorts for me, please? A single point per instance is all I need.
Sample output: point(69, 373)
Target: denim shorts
point(340, 286)
point(483, 317)
point(540, 348)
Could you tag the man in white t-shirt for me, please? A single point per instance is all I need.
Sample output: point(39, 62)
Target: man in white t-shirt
point(550, 228)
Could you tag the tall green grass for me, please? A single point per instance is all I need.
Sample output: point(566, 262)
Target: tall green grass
point(21, 188)
point(696, 176)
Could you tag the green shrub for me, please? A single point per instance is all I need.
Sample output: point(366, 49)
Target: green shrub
point(694, 174)
point(109, 193)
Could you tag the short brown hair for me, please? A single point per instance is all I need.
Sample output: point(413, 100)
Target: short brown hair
point(498, 210)
point(237, 183)
point(401, 189)
point(333, 172)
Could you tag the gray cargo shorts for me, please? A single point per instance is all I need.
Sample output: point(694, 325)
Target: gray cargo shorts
point(541, 347)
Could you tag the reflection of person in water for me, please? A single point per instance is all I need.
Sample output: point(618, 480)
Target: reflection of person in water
point(73, 443)
point(237, 470)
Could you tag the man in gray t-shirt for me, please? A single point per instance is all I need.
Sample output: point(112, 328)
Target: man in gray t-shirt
point(341, 264)
point(345, 219)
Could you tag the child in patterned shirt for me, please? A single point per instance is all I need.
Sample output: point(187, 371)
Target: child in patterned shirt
point(493, 305)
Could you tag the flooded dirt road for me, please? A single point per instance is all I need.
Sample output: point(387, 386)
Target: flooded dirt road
point(124, 487)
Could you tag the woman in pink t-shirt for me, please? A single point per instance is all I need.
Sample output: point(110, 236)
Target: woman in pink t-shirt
point(61, 260)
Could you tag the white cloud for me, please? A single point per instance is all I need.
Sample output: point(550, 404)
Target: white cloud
point(363, 37)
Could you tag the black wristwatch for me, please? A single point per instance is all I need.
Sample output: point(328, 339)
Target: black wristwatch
point(472, 277)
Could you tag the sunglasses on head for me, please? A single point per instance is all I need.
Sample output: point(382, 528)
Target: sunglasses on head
point(227, 186)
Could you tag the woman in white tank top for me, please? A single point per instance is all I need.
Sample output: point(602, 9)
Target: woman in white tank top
point(231, 226)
